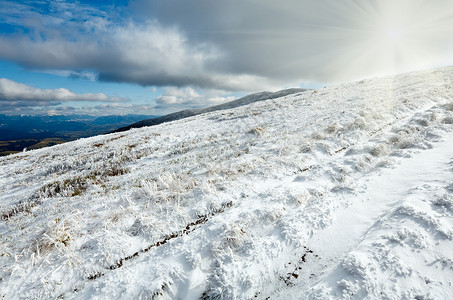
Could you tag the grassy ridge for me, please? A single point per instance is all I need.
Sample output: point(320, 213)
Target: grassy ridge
point(15, 146)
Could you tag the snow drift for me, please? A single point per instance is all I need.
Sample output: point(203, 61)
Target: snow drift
point(345, 192)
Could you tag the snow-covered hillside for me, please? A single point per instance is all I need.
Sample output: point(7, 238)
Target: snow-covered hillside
point(340, 193)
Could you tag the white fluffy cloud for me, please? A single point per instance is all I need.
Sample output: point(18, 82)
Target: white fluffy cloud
point(17, 92)
point(189, 97)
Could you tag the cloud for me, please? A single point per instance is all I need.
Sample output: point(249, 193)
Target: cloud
point(86, 75)
point(71, 40)
point(189, 97)
point(328, 40)
point(120, 109)
point(19, 92)
point(229, 45)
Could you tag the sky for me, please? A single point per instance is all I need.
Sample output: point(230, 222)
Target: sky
point(159, 56)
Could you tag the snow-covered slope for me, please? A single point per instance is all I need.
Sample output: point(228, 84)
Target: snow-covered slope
point(344, 192)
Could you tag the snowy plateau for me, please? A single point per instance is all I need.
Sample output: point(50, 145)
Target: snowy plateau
point(344, 192)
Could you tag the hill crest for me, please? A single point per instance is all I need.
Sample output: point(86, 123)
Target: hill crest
point(261, 96)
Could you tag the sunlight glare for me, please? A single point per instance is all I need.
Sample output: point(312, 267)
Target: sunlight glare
point(393, 34)
point(388, 37)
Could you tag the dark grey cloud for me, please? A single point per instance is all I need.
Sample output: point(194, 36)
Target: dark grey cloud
point(294, 40)
point(246, 45)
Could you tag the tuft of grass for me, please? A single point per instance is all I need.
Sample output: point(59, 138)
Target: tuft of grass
point(236, 237)
point(379, 150)
point(256, 131)
point(68, 188)
point(114, 171)
point(333, 128)
point(21, 207)
point(58, 236)
point(359, 123)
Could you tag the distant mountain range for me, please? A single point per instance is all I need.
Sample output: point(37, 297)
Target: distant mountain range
point(18, 132)
point(198, 111)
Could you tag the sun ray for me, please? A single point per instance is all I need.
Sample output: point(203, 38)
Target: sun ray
point(383, 37)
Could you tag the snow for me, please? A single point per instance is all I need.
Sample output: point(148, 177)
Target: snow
point(345, 192)
point(397, 232)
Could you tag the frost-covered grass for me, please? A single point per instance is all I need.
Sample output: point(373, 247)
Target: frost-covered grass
point(239, 203)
